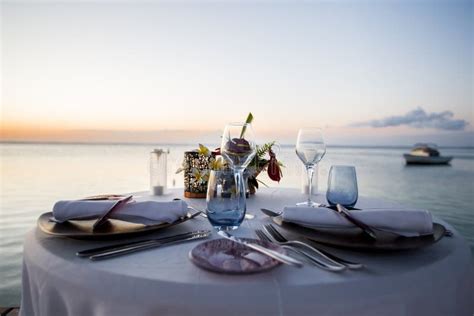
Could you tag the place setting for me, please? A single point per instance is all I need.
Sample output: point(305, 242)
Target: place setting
point(339, 223)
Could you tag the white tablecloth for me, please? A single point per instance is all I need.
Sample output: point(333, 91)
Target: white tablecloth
point(437, 280)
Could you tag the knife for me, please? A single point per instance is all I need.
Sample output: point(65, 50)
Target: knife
point(117, 246)
point(154, 244)
point(269, 252)
point(365, 228)
point(101, 220)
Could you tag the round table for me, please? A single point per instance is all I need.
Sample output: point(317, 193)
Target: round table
point(436, 280)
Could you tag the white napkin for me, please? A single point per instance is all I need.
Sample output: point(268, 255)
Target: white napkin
point(409, 223)
point(147, 212)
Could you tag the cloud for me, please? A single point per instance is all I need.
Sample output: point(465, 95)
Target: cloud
point(418, 118)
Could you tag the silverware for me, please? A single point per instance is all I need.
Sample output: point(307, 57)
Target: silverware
point(269, 252)
point(365, 228)
point(270, 213)
point(314, 261)
point(275, 214)
point(154, 244)
point(101, 220)
point(117, 246)
point(278, 237)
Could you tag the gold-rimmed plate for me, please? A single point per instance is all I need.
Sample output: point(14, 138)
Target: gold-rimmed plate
point(111, 229)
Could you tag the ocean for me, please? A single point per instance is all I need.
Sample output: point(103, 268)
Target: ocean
point(34, 176)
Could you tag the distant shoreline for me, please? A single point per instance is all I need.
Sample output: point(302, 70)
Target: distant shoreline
point(194, 144)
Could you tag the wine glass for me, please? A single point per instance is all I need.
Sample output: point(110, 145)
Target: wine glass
point(310, 148)
point(238, 149)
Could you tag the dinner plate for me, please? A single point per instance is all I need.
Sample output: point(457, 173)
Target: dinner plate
point(113, 228)
point(226, 256)
point(355, 238)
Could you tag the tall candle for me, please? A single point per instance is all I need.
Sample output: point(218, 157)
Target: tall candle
point(157, 190)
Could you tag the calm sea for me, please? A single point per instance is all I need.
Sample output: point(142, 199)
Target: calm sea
point(34, 176)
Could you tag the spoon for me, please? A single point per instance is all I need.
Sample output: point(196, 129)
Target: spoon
point(270, 213)
point(275, 214)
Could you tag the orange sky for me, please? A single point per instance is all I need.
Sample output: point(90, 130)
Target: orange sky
point(152, 72)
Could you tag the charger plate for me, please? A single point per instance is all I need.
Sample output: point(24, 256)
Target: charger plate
point(355, 238)
point(111, 229)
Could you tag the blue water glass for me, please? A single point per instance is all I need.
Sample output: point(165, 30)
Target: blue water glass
point(225, 209)
point(342, 186)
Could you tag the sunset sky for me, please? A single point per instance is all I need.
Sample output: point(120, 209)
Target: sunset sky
point(368, 72)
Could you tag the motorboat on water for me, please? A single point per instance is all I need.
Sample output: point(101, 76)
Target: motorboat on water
point(426, 154)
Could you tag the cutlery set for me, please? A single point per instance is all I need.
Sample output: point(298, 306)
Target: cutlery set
point(316, 257)
point(120, 249)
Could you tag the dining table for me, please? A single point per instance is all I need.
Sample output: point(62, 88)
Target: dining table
point(432, 280)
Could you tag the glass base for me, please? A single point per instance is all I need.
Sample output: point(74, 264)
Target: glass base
point(225, 228)
point(308, 204)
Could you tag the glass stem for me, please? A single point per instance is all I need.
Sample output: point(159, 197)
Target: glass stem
point(310, 172)
point(239, 184)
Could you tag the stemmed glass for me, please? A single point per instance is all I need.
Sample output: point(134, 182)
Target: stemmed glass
point(310, 148)
point(238, 149)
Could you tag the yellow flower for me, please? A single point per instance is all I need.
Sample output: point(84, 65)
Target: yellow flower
point(216, 164)
point(203, 150)
point(200, 176)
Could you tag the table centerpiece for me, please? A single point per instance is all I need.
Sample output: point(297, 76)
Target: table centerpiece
point(198, 163)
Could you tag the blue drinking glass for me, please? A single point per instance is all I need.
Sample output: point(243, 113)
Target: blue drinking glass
point(225, 207)
point(342, 186)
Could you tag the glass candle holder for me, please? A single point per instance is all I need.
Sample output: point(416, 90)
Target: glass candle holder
point(158, 171)
point(342, 186)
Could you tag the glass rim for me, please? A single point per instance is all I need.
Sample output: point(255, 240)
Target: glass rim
point(343, 167)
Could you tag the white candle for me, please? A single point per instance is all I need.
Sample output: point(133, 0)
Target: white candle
point(157, 190)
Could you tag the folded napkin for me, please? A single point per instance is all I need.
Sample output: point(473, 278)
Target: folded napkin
point(408, 223)
point(147, 212)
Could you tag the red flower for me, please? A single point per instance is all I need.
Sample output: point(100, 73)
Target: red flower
point(273, 168)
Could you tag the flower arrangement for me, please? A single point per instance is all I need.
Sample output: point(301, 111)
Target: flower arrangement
point(198, 163)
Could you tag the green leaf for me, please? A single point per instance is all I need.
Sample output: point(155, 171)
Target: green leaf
point(248, 121)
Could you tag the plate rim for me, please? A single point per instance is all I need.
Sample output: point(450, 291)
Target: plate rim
point(369, 246)
point(92, 235)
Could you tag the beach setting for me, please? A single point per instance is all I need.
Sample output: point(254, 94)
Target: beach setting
point(237, 157)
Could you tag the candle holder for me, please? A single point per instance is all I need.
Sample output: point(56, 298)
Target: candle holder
point(158, 171)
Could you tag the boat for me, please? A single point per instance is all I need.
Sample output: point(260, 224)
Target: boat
point(426, 154)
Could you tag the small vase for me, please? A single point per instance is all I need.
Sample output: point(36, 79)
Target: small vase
point(193, 187)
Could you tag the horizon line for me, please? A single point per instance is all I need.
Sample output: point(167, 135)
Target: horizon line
point(338, 145)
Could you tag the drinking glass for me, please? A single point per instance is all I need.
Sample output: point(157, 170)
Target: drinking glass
point(238, 149)
point(310, 148)
point(224, 210)
point(342, 186)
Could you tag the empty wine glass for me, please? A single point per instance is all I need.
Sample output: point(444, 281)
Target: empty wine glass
point(238, 149)
point(310, 148)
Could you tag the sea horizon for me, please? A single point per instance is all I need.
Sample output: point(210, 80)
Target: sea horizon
point(285, 145)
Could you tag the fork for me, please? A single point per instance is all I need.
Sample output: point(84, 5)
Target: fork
point(316, 262)
point(279, 238)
